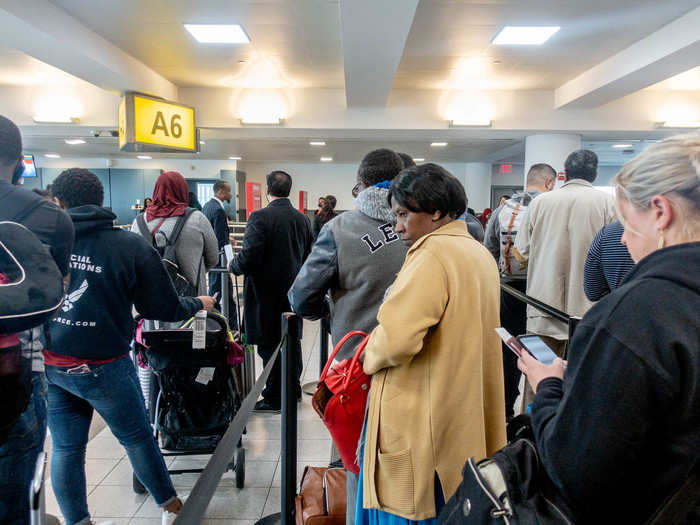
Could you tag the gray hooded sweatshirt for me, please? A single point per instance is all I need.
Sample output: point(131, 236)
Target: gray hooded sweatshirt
point(356, 258)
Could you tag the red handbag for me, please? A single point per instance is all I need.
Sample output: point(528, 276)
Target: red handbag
point(340, 399)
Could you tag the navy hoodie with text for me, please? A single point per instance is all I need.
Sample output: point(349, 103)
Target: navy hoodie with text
point(112, 270)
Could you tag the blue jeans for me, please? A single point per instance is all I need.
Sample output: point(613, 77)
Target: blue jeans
point(113, 390)
point(18, 456)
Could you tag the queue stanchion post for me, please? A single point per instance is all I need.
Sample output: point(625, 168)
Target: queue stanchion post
point(289, 416)
point(291, 326)
point(323, 354)
point(225, 293)
point(324, 332)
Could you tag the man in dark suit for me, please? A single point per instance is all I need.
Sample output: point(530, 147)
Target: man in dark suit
point(214, 211)
point(277, 240)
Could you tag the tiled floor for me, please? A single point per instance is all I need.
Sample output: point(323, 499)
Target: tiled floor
point(109, 473)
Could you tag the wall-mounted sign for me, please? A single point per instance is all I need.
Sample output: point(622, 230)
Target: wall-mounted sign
point(252, 197)
point(303, 201)
point(152, 124)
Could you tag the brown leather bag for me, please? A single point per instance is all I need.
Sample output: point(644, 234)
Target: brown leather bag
point(321, 498)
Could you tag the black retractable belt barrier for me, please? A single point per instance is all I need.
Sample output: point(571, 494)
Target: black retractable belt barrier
point(291, 326)
point(570, 321)
point(198, 501)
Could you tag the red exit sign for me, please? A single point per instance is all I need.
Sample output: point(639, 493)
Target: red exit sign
point(506, 168)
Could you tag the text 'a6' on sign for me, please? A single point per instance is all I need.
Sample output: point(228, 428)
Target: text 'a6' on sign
point(152, 124)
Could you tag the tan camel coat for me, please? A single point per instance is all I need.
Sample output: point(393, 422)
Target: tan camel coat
point(437, 392)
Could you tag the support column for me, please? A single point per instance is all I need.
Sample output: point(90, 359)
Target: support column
point(550, 149)
point(477, 183)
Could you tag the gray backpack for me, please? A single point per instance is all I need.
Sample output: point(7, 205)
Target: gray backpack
point(166, 248)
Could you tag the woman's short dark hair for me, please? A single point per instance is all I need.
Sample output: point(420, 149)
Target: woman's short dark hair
point(379, 165)
point(279, 183)
point(77, 187)
point(429, 188)
point(331, 200)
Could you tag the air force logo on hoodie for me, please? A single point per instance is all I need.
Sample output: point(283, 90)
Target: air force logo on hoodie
point(74, 296)
point(68, 305)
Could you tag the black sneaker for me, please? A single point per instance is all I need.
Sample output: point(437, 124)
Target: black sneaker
point(264, 406)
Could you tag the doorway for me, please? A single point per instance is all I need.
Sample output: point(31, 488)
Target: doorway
point(499, 191)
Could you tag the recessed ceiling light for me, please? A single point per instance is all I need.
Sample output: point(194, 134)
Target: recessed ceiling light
point(678, 124)
point(471, 122)
point(326, 159)
point(438, 144)
point(218, 33)
point(419, 160)
point(52, 156)
point(144, 157)
point(524, 35)
point(622, 146)
point(202, 142)
point(55, 119)
point(317, 143)
point(74, 142)
point(235, 158)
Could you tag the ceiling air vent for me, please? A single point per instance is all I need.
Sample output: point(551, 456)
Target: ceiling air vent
point(628, 152)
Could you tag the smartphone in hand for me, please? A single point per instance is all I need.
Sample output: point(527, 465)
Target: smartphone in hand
point(533, 344)
point(537, 348)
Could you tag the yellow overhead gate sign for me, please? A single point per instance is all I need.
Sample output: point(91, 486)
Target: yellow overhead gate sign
point(152, 124)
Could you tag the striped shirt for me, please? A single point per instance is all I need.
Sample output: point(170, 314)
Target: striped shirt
point(608, 262)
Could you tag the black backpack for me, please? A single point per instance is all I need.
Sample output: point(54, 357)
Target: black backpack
point(166, 249)
point(31, 292)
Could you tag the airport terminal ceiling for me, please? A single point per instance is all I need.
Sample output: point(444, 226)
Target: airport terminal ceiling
point(356, 75)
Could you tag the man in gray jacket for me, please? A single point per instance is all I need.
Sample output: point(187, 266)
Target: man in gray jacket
point(356, 257)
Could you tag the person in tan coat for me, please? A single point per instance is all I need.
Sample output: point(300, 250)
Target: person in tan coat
point(437, 391)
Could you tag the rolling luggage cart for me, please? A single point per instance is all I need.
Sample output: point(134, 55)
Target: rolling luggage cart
point(199, 393)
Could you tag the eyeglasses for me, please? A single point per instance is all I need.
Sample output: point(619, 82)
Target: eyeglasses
point(356, 190)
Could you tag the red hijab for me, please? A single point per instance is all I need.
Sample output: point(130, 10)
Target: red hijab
point(170, 196)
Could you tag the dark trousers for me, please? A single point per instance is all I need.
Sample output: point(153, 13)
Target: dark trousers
point(214, 287)
point(18, 455)
point(272, 393)
point(513, 319)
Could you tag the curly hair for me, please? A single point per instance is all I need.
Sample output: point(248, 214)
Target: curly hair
point(379, 165)
point(77, 187)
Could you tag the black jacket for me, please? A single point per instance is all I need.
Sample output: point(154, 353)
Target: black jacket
point(622, 430)
point(217, 217)
point(277, 240)
point(320, 220)
point(111, 271)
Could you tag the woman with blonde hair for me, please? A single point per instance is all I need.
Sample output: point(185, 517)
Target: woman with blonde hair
point(618, 429)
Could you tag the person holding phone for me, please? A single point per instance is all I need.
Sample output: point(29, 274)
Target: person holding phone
point(618, 432)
